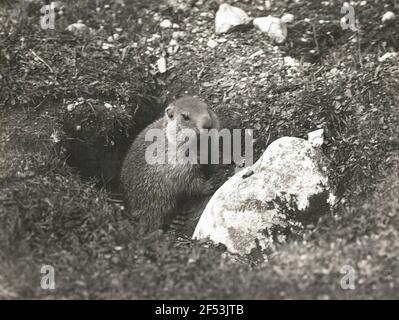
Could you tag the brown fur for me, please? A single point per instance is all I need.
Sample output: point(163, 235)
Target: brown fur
point(153, 190)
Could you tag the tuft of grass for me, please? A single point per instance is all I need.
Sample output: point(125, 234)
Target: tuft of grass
point(49, 70)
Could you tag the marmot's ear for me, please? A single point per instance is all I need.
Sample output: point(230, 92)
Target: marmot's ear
point(170, 112)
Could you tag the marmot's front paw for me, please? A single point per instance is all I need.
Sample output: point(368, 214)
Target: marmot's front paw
point(209, 187)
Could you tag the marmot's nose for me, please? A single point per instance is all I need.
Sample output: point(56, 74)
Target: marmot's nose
point(206, 123)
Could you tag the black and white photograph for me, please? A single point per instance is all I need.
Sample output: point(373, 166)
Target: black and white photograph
point(217, 151)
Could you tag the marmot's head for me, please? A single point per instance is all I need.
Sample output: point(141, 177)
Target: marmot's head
point(190, 113)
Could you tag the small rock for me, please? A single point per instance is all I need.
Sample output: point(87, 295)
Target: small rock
point(179, 4)
point(346, 5)
point(206, 15)
point(333, 72)
point(108, 106)
point(106, 46)
point(178, 35)
point(70, 107)
point(388, 55)
point(290, 62)
point(389, 15)
point(166, 24)
point(287, 18)
point(316, 138)
point(173, 47)
point(274, 27)
point(212, 43)
point(161, 64)
point(228, 17)
point(77, 28)
point(173, 42)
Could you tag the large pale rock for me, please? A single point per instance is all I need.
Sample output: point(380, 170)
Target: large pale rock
point(283, 191)
point(228, 17)
point(274, 27)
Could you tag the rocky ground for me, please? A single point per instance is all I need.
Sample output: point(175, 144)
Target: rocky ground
point(72, 99)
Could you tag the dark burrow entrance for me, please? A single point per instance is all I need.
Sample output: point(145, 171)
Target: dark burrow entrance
point(98, 135)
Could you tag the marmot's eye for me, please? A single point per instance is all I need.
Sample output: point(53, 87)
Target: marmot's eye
point(186, 116)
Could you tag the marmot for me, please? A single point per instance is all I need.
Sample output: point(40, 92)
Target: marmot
point(152, 191)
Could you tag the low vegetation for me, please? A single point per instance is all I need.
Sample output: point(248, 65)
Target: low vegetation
point(69, 108)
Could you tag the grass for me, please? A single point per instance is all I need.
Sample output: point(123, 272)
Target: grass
point(56, 165)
